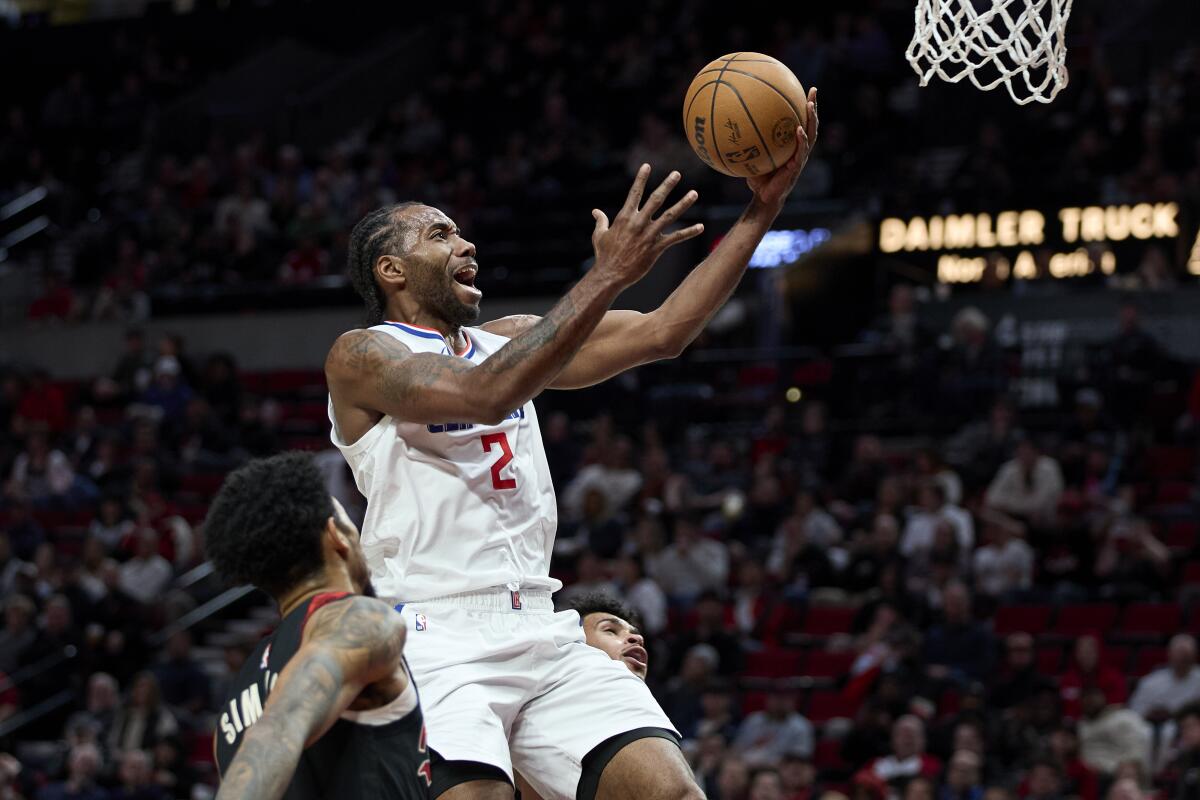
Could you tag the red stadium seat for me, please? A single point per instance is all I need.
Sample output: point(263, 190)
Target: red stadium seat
point(204, 484)
point(1049, 659)
point(1021, 619)
point(826, 705)
point(1182, 534)
point(1173, 493)
point(1160, 619)
point(828, 620)
point(774, 663)
point(824, 664)
point(828, 756)
point(1168, 462)
point(1191, 573)
point(753, 701)
point(1149, 659)
point(1086, 618)
point(1117, 656)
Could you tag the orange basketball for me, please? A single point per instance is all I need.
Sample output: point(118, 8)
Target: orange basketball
point(740, 114)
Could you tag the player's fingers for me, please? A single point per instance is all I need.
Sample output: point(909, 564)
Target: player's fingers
point(601, 223)
point(656, 198)
point(813, 123)
point(634, 198)
point(674, 212)
point(681, 235)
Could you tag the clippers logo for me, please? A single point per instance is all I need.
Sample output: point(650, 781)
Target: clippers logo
point(422, 623)
point(516, 600)
point(266, 658)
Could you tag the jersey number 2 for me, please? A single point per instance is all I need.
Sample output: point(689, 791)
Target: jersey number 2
point(506, 456)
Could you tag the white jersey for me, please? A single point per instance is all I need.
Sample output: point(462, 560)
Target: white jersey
point(454, 507)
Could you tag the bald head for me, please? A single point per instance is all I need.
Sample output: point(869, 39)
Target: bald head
point(1181, 654)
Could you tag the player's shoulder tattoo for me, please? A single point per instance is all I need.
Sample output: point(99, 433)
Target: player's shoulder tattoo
point(362, 624)
point(363, 349)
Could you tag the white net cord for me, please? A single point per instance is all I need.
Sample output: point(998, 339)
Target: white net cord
point(1020, 43)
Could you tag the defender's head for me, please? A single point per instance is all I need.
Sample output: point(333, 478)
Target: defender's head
point(411, 258)
point(273, 524)
point(610, 625)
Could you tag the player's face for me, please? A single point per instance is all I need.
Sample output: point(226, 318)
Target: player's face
point(619, 639)
point(356, 562)
point(440, 267)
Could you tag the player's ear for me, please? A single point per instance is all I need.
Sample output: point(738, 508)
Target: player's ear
point(336, 538)
point(390, 269)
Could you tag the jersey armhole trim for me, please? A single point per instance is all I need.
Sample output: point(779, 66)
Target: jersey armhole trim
point(362, 443)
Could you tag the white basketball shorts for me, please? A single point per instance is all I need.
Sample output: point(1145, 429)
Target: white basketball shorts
point(496, 679)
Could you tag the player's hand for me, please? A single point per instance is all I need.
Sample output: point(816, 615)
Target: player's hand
point(773, 188)
point(628, 247)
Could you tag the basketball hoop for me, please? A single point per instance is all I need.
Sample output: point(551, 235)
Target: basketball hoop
point(1020, 43)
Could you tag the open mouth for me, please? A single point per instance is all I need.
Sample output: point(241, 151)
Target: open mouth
point(466, 275)
point(636, 654)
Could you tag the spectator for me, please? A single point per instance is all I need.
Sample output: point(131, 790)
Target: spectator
point(981, 448)
point(100, 707)
point(799, 777)
point(710, 628)
point(25, 533)
point(613, 475)
point(1126, 789)
point(57, 637)
point(183, 682)
point(10, 566)
point(733, 780)
point(766, 785)
point(972, 370)
point(134, 368)
point(83, 765)
point(42, 474)
point(681, 698)
point(1027, 487)
point(908, 758)
point(933, 507)
point(113, 524)
point(1185, 765)
point(1079, 779)
point(56, 302)
point(19, 633)
point(43, 405)
point(963, 777)
point(168, 393)
point(1044, 781)
point(958, 648)
point(766, 736)
point(1088, 669)
point(1132, 563)
point(171, 769)
point(642, 593)
point(1021, 679)
point(918, 788)
point(142, 722)
point(1111, 733)
point(1003, 565)
point(145, 576)
point(716, 712)
point(1164, 692)
point(879, 549)
point(136, 778)
point(691, 564)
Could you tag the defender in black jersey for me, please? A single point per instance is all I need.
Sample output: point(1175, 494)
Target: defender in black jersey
point(325, 707)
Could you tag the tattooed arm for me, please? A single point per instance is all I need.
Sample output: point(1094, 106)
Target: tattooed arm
point(348, 645)
point(376, 374)
point(625, 339)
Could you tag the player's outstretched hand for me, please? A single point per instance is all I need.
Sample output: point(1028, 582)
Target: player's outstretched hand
point(773, 188)
point(628, 247)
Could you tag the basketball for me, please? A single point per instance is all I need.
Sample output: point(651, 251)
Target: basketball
point(740, 114)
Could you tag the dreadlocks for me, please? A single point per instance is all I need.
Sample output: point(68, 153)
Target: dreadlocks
point(374, 235)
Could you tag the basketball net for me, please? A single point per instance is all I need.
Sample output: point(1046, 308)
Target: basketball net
point(1020, 43)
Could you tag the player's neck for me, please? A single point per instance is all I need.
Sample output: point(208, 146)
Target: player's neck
point(419, 318)
point(307, 590)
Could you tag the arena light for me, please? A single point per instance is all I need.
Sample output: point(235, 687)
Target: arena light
point(782, 247)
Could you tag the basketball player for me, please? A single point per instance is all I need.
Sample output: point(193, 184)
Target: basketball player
point(325, 706)
point(437, 423)
point(609, 626)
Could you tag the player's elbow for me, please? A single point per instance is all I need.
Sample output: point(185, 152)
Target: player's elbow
point(669, 347)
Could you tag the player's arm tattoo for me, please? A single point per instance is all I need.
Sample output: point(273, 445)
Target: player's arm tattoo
point(349, 644)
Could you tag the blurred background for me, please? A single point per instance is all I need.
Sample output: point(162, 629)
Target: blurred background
point(914, 518)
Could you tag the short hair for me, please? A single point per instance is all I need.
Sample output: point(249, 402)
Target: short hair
point(264, 526)
point(374, 235)
point(1190, 710)
point(601, 603)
